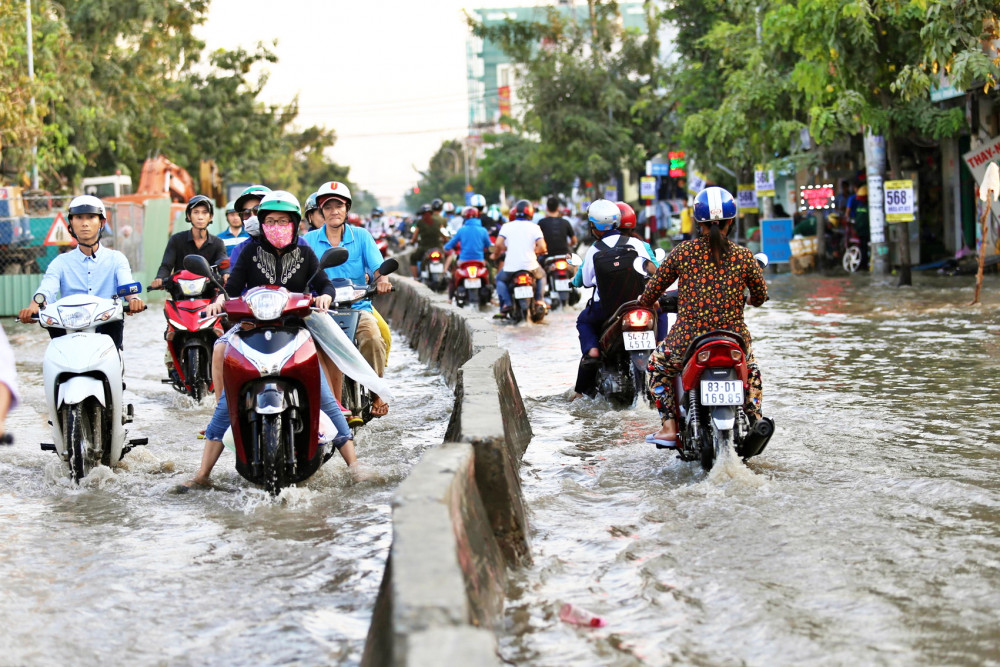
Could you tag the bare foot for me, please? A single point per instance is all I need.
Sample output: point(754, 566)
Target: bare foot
point(575, 396)
point(195, 483)
point(380, 408)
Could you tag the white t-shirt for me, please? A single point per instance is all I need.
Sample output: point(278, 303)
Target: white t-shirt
point(520, 237)
point(589, 279)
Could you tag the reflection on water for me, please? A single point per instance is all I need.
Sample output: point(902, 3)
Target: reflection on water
point(120, 570)
point(867, 533)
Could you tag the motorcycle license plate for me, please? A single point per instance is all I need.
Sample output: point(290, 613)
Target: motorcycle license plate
point(639, 340)
point(437, 267)
point(523, 292)
point(473, 283)
point(721, 392)
point(562, 285)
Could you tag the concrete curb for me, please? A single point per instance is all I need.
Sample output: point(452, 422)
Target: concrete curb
point(459, 518)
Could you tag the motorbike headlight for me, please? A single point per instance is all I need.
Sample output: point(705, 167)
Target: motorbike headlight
point(344, 294)
point(75, 317)
point(192, 287)
point(267, 304)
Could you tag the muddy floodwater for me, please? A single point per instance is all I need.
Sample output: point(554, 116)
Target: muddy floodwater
point(867, 533)
point(122, 571)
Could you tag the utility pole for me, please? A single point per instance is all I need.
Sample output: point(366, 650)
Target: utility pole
point(31, 77)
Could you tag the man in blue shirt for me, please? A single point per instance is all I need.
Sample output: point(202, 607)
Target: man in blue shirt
point(334, 201)
point(88, 269)
point(234, 234)
point(472, 238)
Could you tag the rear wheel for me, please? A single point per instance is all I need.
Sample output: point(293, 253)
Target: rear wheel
point(272, 442)
point(78, 435)
point(852, 259)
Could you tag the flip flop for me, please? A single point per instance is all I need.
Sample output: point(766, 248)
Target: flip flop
point(662, 443)
point(376, 412)
point(355, 421)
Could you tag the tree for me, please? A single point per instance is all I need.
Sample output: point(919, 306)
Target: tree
point(444, 177)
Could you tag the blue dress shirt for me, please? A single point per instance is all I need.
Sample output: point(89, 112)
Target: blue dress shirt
point(363, 259)
point(73, 272)
point(474, 238)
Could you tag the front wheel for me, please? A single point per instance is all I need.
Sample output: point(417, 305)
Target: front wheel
point(78, 435)
point(852, 259)
point(272, 443)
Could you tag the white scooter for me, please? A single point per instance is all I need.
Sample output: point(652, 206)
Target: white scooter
point(83, 375)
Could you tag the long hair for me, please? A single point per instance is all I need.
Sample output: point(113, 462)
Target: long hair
point(717, 242)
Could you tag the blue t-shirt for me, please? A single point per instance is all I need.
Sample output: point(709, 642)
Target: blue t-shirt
point(363, 259)
point(474, 238)
point(232, 241)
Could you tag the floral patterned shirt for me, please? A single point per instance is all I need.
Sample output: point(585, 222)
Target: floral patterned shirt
point(710, 297)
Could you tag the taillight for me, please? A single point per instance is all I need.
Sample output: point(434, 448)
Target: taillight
point(522, 279)
point(562, 264)
point(473, 271)
point(435, 255)
point(638, 319)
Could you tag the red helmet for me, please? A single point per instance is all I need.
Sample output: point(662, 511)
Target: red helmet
point(523, 210)
point(628, 216)
point(470, 212)
point(354, 219)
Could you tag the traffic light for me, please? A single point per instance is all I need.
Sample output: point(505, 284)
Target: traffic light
point(416, 189)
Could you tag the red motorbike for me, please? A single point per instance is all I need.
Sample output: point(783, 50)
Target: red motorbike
point(470, 282)
point(189, 336)
point(272, 379)
point(382, 243)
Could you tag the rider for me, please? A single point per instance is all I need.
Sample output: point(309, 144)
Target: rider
point(604, 217)
point(453, 221)
point(85, 270)
point(234, 234)
point(311, 212)
point(473, 239)
point(427, 234)
point(522, 241)
point(195, 241)
point(713, 273)
point(627, 228)
point(478, 202)
point(559, 234)
point(275, 258)
point(334, 201)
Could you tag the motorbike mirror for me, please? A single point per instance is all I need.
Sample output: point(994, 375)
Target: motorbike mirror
point(388, 266)
point(659, 255)
point(575, 260)
point(198, 265)
point(639, 264)
point(761, 259)
point(39, 299)
point(333, 257)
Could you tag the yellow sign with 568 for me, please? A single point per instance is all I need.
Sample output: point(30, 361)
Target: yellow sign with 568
point(898, 201)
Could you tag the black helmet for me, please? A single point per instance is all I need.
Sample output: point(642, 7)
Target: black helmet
point(437, 204)
point(195, 201)
point(523, 210)
point(424, 208)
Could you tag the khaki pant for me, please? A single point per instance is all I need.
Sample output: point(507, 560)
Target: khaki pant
point(383, 327)
point(370, 342)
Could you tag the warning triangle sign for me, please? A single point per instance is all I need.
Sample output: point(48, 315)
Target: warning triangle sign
point(59, 232)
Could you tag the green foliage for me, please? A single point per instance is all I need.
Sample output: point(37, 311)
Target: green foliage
point(444, 177)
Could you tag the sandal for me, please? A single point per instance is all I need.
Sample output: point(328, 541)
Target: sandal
point(663, 443)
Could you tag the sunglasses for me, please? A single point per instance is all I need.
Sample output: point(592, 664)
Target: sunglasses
point(247, 213)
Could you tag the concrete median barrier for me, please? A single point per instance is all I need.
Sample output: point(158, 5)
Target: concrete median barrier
point(459, 519)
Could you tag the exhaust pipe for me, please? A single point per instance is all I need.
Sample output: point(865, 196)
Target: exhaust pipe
point(757, 438)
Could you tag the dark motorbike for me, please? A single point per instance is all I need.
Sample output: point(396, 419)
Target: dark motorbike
point(559, 273)
point(471, 283)
point(523, 305)
point(432, 271)
point(356, 397)
point(272, 378)
point(627, 339)
point(190, 337)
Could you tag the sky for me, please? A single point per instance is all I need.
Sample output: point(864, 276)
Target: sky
point(389, 77)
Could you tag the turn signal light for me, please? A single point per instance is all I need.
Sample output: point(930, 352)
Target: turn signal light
point(638, 319)
point(561, 264)
point(736, 355)
point(703, 356)
point(473, 271)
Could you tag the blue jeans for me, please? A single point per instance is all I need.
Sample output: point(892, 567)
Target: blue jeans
point(503, 288)
point(588, 325)
point(327, 403)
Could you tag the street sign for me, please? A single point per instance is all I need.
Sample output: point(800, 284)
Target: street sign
point(647, 187)
point(659, 169)
point(746, 198)
point(764, 182)
point(979, 158)
point(59, 232)
point(611, 194)
point(775, 236)
point(816, 197)
point(696, 183)
point(898, 201)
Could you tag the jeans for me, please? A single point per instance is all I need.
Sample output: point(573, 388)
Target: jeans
point(504, 291)
point(327, 403)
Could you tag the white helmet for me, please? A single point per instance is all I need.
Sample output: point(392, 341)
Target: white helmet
point(87, 204)
point(478, 201)
point(604, 215)
point(333, 189)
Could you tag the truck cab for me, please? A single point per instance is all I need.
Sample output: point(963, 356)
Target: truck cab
point(107, 186)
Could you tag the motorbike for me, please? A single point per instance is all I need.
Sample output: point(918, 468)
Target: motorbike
point(709, 396)
point(627, 339)
point(559, 275)
point(471, 283)
point(83, 375)
point(432, 270)
point(190, 338)
point(382, 243)
point(843, 243)
point(523, 305)
point(355, 396)
point(272, 381)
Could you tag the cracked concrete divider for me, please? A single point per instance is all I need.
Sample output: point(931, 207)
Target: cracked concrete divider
point(459, 518)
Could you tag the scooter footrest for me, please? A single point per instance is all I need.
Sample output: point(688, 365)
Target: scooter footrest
point(48, 447)
point(135, 442)
point(166, 381)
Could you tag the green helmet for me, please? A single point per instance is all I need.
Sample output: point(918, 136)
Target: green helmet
point(310, 204)
point(279, 200)
point(253, 192)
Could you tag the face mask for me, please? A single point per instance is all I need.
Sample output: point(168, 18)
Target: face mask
point(279, 236)
point(252, 225)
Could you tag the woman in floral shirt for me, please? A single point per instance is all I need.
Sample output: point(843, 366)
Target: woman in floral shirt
point(713, 273)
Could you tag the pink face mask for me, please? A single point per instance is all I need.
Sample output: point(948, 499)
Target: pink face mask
point(279, 235)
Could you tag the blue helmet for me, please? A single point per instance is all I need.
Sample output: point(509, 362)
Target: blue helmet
point(714, 203)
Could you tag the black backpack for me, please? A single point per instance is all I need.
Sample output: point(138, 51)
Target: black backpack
point(617, 281)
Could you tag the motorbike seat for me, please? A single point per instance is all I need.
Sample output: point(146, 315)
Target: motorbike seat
point(471, 262)
point(711, 337)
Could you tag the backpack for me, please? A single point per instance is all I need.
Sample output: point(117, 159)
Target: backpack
point(617, 281)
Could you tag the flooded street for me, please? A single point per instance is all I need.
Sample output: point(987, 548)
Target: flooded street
point(867, 532)
point(122, 571)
